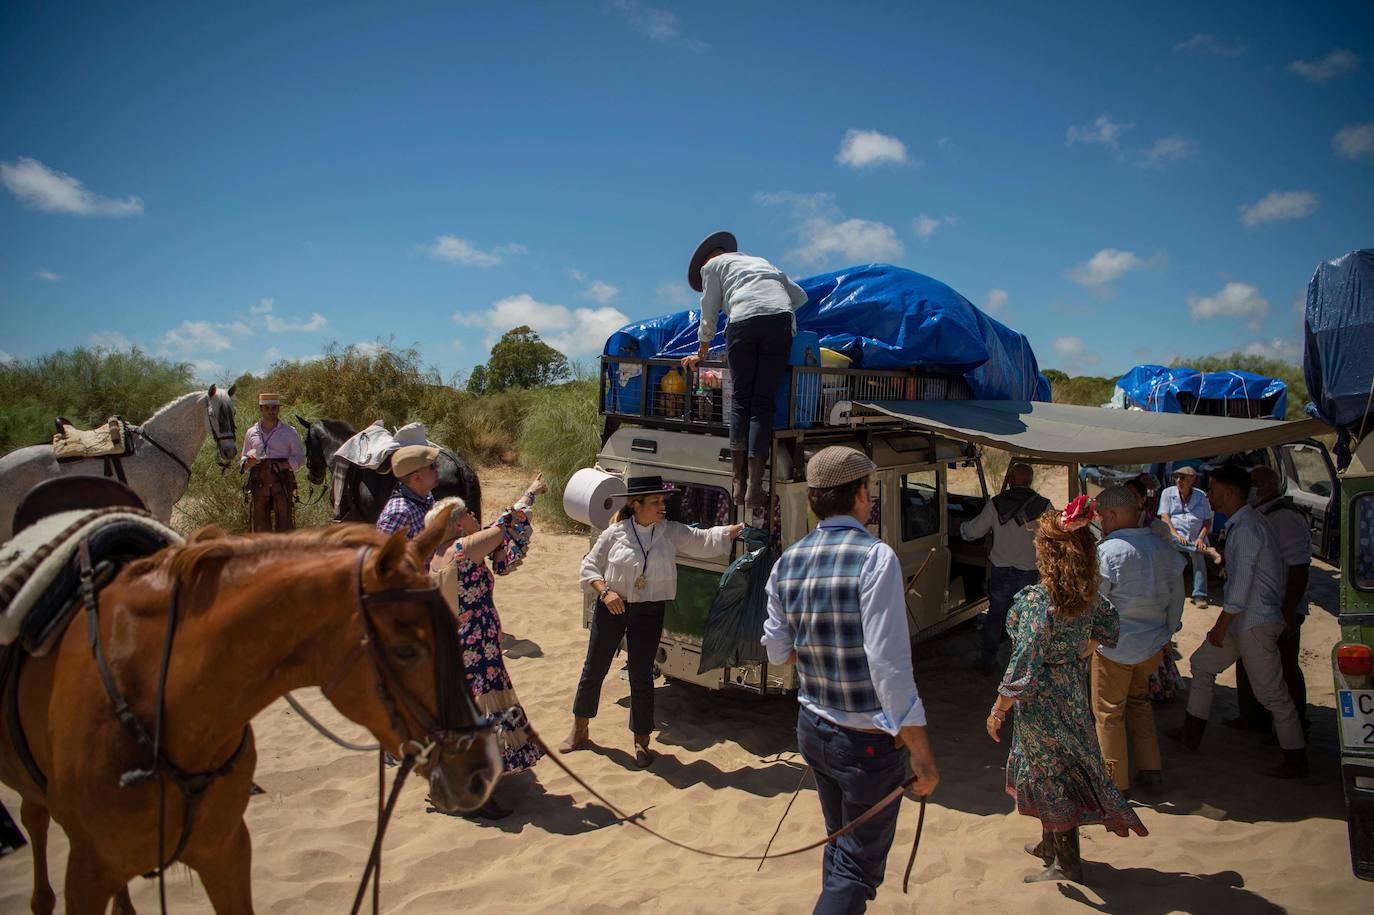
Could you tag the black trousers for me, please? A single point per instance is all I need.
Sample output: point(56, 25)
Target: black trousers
point(641, 626)
point(756, 349)
point(1290, 651)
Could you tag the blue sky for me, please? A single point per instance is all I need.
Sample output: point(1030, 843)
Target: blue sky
point(236, 185)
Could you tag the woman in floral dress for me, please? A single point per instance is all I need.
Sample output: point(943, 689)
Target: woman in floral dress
point(463, 567)
point(1055, 770)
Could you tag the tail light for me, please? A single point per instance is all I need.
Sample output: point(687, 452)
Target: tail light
point(1355, 660)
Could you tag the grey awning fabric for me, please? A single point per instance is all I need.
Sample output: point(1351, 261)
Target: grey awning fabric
point(1093, 435)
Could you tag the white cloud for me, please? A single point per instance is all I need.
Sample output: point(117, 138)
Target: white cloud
point(1279, 205)
point(825, 234)
point(196, 336)
point(1168, 149)
point(1234, 300)
point(656, 24)
point(52, 191)
point(1282, 348)
point(263, 307)
point(572, 331)
point(601, 291)
point(1355, 141)
point(864, 148)
point(48, 275)
point(924, 226)
point(316, 323)
point(110, 341)
point(1106, 266)
point(1338, 63)
point(5, 358)
point(369, 348)
point(454, 250)
point(206, 369)
point(1208, 44)
point(1101, 132)
point(1074, 353)
point(996, 301)
point(675, 292)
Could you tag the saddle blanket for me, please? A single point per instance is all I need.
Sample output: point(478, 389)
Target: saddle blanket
point(109, 440)
point(41, 558)
point(371, 448)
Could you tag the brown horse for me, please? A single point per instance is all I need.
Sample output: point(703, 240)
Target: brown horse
point(259, 616)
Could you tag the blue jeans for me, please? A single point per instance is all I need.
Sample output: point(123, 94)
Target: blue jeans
point(1003, 584)
point(1198, 561)
point(853, 772)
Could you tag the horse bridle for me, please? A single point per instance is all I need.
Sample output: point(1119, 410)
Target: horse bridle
point(231, 436)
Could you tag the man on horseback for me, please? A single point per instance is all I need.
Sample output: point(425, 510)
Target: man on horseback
point(416, 474)
point(272, 451)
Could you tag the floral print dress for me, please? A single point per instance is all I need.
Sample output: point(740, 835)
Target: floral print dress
point(1055, 770)
point(467, 586)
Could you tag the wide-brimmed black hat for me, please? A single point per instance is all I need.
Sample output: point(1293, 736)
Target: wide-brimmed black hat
point(710, 243)
point(637, 487)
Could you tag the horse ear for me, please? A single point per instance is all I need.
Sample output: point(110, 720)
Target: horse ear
point(428, 540)
point(211, 392)
point(391, 555)
point(305, 423)
point(232, 389)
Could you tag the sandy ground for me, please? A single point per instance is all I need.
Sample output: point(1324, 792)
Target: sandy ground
point(1223, 839)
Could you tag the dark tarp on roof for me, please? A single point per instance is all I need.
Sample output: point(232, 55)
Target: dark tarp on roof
point(882, 317)
point(1338, 357)
point(1091, 435)
point(1183, 390)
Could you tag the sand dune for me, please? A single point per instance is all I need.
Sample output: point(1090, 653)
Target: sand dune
point(1224, 838)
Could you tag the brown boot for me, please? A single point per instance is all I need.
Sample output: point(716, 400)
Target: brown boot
point(739, 462)
point(1044, 850)
point(579, 737)
point(757, 497)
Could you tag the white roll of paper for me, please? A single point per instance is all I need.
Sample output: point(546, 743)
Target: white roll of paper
point(593, 496)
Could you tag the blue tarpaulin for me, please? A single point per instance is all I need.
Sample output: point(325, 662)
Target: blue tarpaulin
point(882, 317)
point(1338, 357)
point(1159, 389)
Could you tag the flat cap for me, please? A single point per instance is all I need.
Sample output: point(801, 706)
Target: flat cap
point(836, 466)
point(407, 460)
point(1185, 471)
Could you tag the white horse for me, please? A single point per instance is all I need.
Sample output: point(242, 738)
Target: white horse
point(159, 469)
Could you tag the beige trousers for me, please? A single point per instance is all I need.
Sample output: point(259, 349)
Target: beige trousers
point(1121, 706)
point(1258, 647)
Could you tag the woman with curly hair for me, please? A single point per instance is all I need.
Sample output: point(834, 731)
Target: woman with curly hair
point(1055, 770)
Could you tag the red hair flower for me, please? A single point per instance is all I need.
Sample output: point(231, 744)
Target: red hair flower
point(1078, 514)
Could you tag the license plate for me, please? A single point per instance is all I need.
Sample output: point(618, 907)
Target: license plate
point(1357, 718)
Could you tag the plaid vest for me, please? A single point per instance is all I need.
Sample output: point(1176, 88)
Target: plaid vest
point(817, 582)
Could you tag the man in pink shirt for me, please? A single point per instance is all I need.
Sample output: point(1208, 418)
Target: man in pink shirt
point(272, 451)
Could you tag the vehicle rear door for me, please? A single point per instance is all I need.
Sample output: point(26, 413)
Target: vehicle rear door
point(1311, 482)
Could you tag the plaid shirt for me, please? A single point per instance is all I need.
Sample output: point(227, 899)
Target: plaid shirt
point(404, 511)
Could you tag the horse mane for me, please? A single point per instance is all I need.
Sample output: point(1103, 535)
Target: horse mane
point(338, 427)
point(173, 404)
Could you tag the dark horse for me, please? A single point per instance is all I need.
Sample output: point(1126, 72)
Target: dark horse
point(366, 491)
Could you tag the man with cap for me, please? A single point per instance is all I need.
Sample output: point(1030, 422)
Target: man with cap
point(272, 451)
point(416, 476)
point(1012, 516)
point(759, 302)
point(1249, 625)
point(837, 609)
point(1186, 510)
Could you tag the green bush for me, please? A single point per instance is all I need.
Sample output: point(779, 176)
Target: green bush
point(561, 436)
point(86, 386)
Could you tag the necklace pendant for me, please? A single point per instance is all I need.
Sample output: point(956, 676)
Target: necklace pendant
point(640, 582)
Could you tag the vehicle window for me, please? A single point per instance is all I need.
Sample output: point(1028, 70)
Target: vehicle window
point(699, 504)
point(1362, 541)
point(920, 504)
point(1309, 469)
point(962, 480)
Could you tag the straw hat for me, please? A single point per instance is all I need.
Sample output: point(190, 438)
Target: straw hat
point(269, 400)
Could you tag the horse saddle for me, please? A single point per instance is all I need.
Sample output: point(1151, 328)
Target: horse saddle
point(109, 440)
point(40, 572)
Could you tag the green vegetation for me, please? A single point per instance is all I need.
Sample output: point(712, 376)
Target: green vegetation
point(519, 360)
point(1084, 390)
point(560, 436)
point(86, 386)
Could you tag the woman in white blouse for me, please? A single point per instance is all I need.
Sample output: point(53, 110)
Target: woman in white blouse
point(633, 570)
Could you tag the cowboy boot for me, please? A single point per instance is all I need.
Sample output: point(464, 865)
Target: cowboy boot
point(757, 497)
point(1067, 856)
point(1190, 734)
point(644, 757)
point(739, 459)
point(578, 737)
point(1294, 765)
point(1044, 849)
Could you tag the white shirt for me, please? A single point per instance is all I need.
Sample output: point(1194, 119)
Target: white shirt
point(745, 287)
point(626, 550)
point(1185, 517)
point(887, 641)
point(1013, 545)
point(1294, 537)
point(1254, 571)
point(1142, 577)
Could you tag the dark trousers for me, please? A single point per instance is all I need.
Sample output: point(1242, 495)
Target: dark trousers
point(1290, 650)
point(1003, 584)
point(641, 626)
point(853, 772)
point(272, 491)
point(756, 350)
